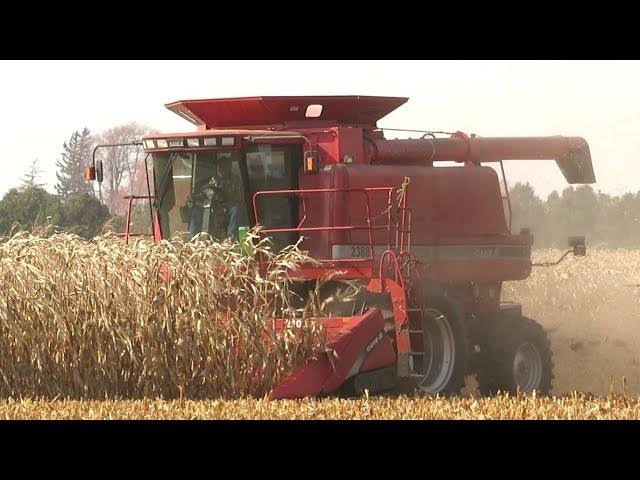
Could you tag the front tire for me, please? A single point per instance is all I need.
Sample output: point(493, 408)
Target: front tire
point(445, 343)
point(516, 357)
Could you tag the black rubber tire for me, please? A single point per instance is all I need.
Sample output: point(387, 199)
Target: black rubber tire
point(504, 336)
point(448, 306)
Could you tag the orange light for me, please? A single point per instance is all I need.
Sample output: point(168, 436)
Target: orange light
point(90, 173)
point(312, 163)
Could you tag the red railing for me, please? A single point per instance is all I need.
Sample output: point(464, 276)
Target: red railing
point(302, 193)
point(127, 229)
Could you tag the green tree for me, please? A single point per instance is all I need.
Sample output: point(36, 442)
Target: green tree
point(605, 220)
point(84, 214)
point(76, 155)
point(626, 230)
point(580, 207)
point(606, 227)
point(29, 207)
point(527, 211)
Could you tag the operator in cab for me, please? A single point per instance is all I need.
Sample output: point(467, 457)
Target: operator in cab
point(215, 207)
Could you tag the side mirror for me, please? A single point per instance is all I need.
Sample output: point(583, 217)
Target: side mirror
point(99, 172)
point(578, 245)
point(94, 173)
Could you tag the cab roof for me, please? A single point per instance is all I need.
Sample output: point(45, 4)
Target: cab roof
point(248, 111)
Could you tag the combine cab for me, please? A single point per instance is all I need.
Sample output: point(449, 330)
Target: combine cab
point(422, 248)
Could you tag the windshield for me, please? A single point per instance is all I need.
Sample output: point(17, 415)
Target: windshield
point(212, 191)
point(200, 192)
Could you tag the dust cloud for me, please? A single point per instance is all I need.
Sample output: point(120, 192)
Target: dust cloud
point(590, 307)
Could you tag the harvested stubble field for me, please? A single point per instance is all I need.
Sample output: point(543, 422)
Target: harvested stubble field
point(88, 320)
point(379, 408)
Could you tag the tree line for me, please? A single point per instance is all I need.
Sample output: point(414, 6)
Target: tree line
point(80, 205)
point(605, 220)
point(123, 165)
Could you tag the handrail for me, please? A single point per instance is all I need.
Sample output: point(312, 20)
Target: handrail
point(397, 270)
point(139, 197)
point(300, 227)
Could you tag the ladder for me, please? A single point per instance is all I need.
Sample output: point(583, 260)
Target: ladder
point(416, 356)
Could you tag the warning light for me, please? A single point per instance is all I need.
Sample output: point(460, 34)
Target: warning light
point(90, 173)
point(311, 162)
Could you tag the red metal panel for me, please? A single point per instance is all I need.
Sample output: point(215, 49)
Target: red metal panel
point(451, 206)
point(479, 270)
point(350, 344)
point(381, 355)
point(399, 301)
point(350, 144)
point(444, 201)
point(232, 112)
point(305, 381)
point(318, 213)
point(358, 338)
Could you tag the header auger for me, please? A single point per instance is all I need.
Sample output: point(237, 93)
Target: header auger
point(423, 247)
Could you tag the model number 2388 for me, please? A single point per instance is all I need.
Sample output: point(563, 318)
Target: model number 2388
point(360, 251)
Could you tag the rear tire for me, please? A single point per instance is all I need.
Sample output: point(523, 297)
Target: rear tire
point(515, 357)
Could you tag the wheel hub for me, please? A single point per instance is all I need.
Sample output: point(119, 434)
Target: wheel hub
point(527, 367)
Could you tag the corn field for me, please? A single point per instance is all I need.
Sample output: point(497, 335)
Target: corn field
point(161, 332)
point(97, 319)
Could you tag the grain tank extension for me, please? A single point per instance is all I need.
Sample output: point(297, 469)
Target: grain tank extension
point(423, 246)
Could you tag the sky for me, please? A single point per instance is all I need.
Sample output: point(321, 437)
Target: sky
point(44, 102)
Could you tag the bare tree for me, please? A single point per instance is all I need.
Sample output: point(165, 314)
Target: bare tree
point(32, 176)
point(120, 163)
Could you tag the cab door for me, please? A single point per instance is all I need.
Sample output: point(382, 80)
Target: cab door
point(275, 167)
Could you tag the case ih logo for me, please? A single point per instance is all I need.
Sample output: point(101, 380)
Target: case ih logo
point(485, 252)
point(374, 342)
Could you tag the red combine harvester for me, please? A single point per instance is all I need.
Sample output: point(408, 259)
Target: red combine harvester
point(423, 247)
